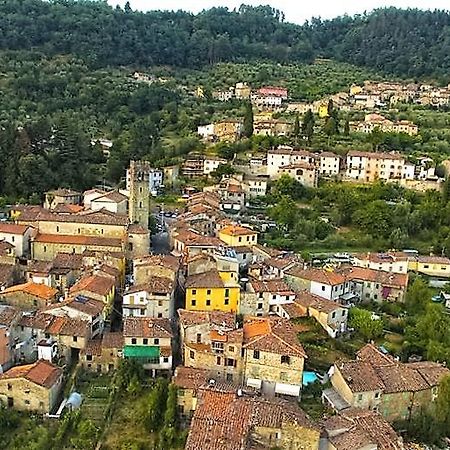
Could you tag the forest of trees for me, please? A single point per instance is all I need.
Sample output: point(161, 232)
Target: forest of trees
point(410, 43)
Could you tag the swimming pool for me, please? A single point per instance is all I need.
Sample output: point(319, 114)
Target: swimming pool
point(309, 377)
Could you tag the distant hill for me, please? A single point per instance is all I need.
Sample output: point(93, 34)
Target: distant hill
point(409, 43)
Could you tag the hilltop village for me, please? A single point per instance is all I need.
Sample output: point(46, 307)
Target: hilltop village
point(217, 312)
point(263, 347)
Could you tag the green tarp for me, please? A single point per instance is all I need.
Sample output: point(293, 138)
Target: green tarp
point(141, 351)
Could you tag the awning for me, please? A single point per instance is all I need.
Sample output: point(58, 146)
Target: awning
point(141, 351)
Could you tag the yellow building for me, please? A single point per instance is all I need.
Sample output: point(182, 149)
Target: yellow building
point(212, 291)
point(433, 266)
point(228, 130)
point(323, 111)
point(237, 236)
point(355, 90)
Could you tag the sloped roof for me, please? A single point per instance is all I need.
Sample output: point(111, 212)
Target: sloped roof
point(159, 285)
point(93, 283)
point(237, 230)
point(273, 335)
point(41, 372)
point(189, 378)
point(147, 327)
point(308, 300)
point(12, 228)
point(210, 279)
point(213, 318)
point(37, 290)
point(225, 421)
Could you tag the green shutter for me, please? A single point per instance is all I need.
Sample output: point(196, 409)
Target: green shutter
point(141, 351)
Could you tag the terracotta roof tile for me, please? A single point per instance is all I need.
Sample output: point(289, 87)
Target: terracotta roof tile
point(8, 314)
point(390, 279)
point(102, 217)
point(113, 339)
point(272, 286)
point(273, 335)
point(236, 230)
point(214, 318)
point(38, 290)
point(147, 327)
point(41, 372)
point(155, 285)
point(308, 300)
point(360, 376)
point(225, 421)
point(374, 356)
point(210, 279)
point(93, 283)
point(168, 261)
point(189, 378)
point(12, 228)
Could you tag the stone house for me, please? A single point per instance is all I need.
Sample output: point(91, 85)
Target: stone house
point(7, 253)
point(149, 342)
point(45, 247)
point(61, 196)
point(156, 298)
point(103, 354)
point(330, 315)
point(359, 429)
point(212, 345)
point(164, 266)
point(33, 387)
point(377, 382)
point(188, 381)
point(29, 295)
point(273, 356)
point(101, 288)
point(262, 297)
point(81, 308)
point(8, 275)
point(69, 334)
point(376, 285)
point(223, 414)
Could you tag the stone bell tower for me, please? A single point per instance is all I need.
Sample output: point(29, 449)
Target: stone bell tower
point(138, 185)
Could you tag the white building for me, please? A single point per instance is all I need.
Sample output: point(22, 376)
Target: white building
point(153, 299)
point(113, 201)
point(255, 186)
point(17, 235)
point(206, 131)
point(285, 156)
point(372, 166)
point(210, 164)
point(155, 180)
point(395, 262)
point(329, 164)
point(149, 342)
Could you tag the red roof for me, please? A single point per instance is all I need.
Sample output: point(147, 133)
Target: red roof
point(12, 228)
point(41, 372)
